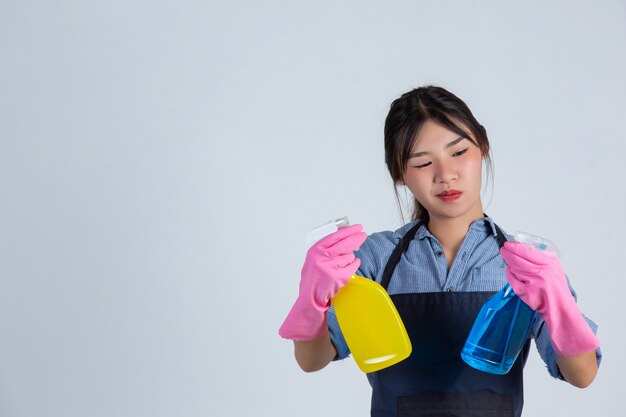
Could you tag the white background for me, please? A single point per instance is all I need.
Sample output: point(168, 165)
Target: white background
point(161, 162)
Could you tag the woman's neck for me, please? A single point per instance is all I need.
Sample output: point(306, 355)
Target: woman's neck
point(450, 232)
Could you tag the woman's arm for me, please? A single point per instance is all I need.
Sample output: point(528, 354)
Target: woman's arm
point(313, 355)
point(579, 370)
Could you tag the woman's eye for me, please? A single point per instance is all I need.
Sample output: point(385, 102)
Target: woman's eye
point(423, 165)
point(459, 153)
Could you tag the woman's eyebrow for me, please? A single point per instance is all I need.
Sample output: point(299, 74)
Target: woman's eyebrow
point(454, 142)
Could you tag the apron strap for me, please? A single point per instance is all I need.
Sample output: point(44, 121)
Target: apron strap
point(500, 236)
point(403, 245)
point(400, 248)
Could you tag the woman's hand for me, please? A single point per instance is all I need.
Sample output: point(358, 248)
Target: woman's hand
point(538, 279)
point(328, 266)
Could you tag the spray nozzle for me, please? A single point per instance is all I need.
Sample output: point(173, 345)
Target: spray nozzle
point(324, 230)
point(537, 242)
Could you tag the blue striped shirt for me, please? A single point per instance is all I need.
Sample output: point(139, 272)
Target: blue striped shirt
point(478, 266)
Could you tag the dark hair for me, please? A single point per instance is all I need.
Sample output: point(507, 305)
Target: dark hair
point(405, 119)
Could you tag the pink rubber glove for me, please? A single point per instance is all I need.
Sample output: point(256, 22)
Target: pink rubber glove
point(328, 266)
point(538, 279)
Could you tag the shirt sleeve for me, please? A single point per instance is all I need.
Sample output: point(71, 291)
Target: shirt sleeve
point(336, 337)
point(544, 346)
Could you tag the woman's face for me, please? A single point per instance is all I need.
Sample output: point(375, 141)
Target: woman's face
point(444, 173)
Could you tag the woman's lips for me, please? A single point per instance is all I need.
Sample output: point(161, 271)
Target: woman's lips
point(449, 195)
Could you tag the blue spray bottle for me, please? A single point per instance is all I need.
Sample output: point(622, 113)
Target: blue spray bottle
point(502, 326)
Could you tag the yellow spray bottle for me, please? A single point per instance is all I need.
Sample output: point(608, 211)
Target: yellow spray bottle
point(368, 319)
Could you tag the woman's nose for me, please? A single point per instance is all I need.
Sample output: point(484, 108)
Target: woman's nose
point(446, 172)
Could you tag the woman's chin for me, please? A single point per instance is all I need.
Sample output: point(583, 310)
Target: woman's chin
point(455, 212)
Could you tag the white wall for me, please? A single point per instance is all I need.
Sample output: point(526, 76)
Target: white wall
point(161, 162)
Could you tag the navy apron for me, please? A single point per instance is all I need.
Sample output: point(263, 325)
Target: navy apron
point(434, 381)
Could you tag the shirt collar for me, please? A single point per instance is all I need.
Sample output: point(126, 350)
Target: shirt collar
point(485, 224)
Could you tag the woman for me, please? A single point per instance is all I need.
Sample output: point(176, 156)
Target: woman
point(448, 263)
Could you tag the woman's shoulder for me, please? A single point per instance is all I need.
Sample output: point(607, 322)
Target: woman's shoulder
point(389, 238)
point(377, 248)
